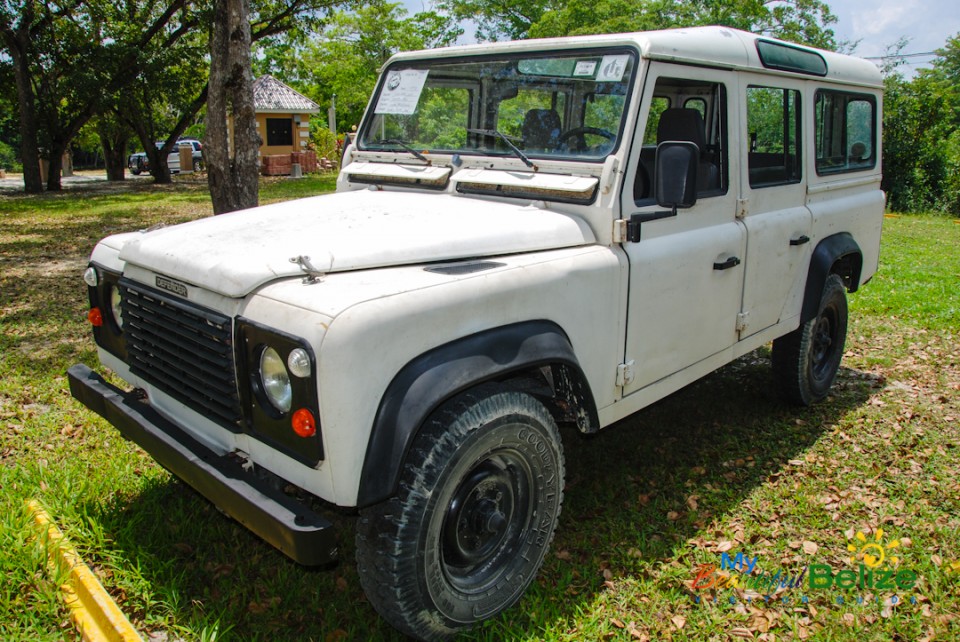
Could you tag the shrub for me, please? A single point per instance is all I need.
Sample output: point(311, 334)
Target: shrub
point(8, 158)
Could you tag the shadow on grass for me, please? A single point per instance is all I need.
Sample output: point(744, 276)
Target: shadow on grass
point(626, 500)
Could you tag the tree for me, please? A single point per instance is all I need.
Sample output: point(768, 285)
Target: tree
point(921, 136)
point(804, 21)
point(70, 56)
point(232, 178)
point(345, 56)
point(165, 99)
point(114, 137)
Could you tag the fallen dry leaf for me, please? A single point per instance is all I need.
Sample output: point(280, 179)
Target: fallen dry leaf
point(679, 621)
point(810, 548)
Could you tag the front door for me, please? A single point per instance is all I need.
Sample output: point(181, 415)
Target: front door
point(686, 271)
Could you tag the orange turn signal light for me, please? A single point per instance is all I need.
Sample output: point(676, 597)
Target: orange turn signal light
point(95, 317)
point(304, 423)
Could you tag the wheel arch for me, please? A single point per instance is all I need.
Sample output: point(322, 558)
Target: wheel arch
point(432, 378)
point(837, 254)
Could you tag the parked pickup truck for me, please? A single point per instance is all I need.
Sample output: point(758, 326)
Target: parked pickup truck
point(139, 162)
point(524, 235)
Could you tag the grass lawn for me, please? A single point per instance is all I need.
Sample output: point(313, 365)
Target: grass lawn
point(720, 467)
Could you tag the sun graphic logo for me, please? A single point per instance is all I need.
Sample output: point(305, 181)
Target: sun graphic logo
point(874, 553)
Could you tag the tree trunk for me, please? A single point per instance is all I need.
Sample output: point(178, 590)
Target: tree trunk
point(56, 164)
point(159, 168)
point(17, 43)
point(233, 178)
point(114, 154)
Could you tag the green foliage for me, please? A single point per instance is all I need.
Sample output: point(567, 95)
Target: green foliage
point(323, 141)
point(346, 55)
point(8, 158)
point(804, 21)
point(921, 138)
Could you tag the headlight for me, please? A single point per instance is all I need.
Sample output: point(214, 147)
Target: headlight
point(275, 380)
point(115, 306)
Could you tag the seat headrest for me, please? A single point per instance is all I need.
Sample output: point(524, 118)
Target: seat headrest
point(541, 128)
point(679, 123)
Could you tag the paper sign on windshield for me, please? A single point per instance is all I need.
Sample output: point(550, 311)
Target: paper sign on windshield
point(612, 68)
point(401, 91)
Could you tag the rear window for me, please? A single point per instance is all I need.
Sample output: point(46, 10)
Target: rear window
point(846, 131)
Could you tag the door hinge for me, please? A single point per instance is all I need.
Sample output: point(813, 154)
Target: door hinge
point(743, 321)
point(743, 207)
point(625, 374)
point(626, 231)
point(620, 231)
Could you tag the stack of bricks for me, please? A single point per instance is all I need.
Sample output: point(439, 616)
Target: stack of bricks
point(307, 160)
point(276, 165)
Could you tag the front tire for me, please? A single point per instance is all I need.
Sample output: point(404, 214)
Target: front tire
point(478, 502)
point(806, 361)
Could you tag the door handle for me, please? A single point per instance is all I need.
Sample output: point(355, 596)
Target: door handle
point(800, 240)
point(726, 265)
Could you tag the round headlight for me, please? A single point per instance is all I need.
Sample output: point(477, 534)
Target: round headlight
point(299, 363)
point(276, 381)
point(90, 277)
point(115, 306)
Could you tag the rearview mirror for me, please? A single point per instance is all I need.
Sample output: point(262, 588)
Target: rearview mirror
point(675, 175)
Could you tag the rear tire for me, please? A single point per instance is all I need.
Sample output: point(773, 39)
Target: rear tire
point(806, 361)
point(478, 502)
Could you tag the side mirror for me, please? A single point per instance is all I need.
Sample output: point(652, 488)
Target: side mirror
point(675, 176)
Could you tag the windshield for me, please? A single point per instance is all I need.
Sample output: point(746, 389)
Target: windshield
point(567, 105)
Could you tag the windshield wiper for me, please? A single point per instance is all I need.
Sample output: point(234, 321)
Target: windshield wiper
point(406, 147)
point(506, 139)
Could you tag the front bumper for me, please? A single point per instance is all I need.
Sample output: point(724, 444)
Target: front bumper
point(297, 531)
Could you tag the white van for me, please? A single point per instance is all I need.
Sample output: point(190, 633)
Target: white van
point(524, 234)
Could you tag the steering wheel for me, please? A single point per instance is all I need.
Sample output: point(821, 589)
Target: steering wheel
point(580, 133)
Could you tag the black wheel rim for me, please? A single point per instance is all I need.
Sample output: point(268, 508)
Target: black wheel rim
point(485, 521)
point(823, 344)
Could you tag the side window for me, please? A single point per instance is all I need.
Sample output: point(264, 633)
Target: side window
point(686, 110)
point(699, 104)
point(846, 132)
point(773, 124)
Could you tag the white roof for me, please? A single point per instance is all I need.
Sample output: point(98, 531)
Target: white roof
point(271, 95)
point(714, 46)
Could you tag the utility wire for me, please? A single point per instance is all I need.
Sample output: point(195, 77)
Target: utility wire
point(909, 55)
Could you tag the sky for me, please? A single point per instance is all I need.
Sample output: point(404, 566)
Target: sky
point(880, 23)
point(876, 24)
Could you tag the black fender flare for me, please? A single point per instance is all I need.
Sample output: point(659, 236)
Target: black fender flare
point(430, 379)
point(838, 248)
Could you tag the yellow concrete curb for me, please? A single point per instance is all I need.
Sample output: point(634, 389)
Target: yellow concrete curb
point(94, 613)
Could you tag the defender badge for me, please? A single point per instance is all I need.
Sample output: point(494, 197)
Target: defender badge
point(172, 286)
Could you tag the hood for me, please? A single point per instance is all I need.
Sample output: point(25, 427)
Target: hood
point(233, 254)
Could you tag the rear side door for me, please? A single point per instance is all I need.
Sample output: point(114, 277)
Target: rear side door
point(773, 191)
point(685, 271)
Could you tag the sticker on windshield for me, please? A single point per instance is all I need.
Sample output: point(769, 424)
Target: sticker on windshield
point(585, 68)
point(401, 91)
point(612, 68)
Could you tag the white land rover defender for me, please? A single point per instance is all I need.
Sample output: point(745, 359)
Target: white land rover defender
point(524, 234)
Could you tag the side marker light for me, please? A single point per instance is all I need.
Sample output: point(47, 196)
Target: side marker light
point(304, 423)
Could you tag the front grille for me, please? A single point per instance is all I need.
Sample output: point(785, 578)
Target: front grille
point(183, 349)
